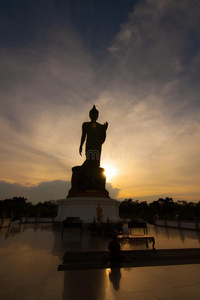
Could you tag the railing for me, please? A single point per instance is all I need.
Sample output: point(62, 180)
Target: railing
point(181, 224)
point(5, 222)
point(36, 220)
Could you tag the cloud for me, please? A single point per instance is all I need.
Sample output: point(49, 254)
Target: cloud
point(45, 85)
point(154, 86)
point(146, 87)
point(44, 191)
point(113, 192)
point(158, 53)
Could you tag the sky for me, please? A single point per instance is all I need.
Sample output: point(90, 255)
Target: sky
point(137, 61)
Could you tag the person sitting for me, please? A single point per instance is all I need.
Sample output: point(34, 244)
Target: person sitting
point(114, 248)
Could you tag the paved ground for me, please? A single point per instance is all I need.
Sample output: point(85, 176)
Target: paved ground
point(30, 255)
point(130, 259)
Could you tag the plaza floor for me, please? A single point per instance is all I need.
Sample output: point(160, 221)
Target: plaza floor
point(30, 255)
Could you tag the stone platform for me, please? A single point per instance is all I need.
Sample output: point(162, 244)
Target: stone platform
point(134, 258)
point(86, 209)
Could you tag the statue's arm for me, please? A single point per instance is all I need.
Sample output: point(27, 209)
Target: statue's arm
point(82, 138)
point(105, 126)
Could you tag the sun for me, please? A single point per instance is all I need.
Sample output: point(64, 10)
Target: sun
point(110, 171)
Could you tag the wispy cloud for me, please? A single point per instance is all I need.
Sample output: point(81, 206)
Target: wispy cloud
point(146, 87)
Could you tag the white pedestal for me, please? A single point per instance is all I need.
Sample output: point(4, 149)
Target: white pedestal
point(86, 209)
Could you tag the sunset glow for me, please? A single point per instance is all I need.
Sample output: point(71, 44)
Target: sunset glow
point(137, 61)
point(110, 171)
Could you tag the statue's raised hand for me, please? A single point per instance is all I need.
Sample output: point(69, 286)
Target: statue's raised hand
point(80, 151)
point(106, 125)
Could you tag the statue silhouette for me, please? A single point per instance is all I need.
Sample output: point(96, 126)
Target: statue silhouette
point(95, 135)
point(89, 179)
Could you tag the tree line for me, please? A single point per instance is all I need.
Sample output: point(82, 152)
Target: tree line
point(161, 208)
point(18, 207)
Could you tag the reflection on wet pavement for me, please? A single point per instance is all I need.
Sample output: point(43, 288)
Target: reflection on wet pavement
point(30, 255)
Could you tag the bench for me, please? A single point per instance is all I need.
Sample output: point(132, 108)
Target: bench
point(72, 222)
point(137, 240)
point(137, 224)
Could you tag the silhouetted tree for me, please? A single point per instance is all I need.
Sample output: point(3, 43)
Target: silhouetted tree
point(15, 207)
point(47, 209)
point(161, 208)
point(18, 207)
point(131, 209)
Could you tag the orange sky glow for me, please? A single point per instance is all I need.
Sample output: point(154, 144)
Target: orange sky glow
point(145, 83)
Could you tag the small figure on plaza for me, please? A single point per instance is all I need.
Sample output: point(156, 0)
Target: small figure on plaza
point(115, 249)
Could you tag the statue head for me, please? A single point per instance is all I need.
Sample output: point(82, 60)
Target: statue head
point(94, 114)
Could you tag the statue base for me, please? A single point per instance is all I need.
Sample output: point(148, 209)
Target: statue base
point(88, 199)
point(86, 209)
point(88, 182)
